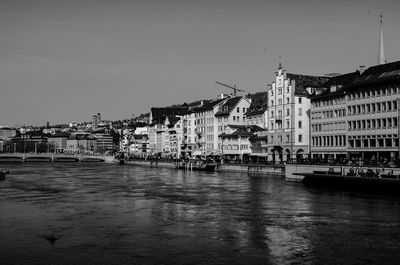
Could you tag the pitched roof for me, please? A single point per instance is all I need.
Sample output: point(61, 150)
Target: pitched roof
point(384, 73)
point(228, 106)
point(304, 81)
point(340, 81)
point(207, 105)
point(259, 103)
point(173, 121)
point(159, 114)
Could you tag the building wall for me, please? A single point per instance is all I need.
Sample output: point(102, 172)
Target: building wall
point(236, 117)
point(372, 122)
point(329, 127)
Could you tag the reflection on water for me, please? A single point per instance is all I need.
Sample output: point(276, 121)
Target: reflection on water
point(116, 214)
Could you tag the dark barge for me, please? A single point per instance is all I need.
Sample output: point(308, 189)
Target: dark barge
point(383, 183)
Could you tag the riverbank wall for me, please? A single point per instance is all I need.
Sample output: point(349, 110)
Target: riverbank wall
point(290, 169)
point(261, 170)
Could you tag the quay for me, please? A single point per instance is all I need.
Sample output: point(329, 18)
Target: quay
point(52, 157)
point(293, 171)
point(253, 169)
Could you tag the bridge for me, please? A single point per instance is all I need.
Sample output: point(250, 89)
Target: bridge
point(53, 157)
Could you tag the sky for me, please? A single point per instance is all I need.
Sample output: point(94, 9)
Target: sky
point(66, 60)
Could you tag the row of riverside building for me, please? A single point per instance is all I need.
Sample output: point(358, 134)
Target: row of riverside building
point(336, 116)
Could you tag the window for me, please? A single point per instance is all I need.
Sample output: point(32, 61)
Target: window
point(287, 100)
point(234, 118)
point(237, 109)
point(299, 100)
point(280, 101)
point(300, 112)
point(287, 112)
point(244, 110)
point(300, 138)
point(279, 91)
point(300, 124)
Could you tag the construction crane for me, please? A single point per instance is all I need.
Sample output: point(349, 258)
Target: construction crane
point(231, 87)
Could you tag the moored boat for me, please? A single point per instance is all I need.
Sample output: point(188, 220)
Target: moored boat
point(196, 165)
point(336, 180)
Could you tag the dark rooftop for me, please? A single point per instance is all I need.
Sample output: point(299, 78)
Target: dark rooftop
point(159, 114)
point(228, 106)
point(259, 103)
point(384, 73)
point(207, 105)
point(340, 81)
point(304, 81)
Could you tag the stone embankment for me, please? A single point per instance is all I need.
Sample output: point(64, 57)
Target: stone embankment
point(256, 169)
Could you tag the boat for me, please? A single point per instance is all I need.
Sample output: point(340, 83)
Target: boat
point(3, 174)
point(369, 182)
point(196, 165)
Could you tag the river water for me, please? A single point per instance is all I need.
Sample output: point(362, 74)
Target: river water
point(123, 214)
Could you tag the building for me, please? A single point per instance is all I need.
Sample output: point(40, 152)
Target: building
point(288, 114)
point(96, 120)
point(104, 143)
point(206, 127)
point(257, 113)
point(158, 131)
point(138, 144)
point(30, 142)
point(372, 102)
point(81, 143)
point(188, 144)
point(58, 142)
point(235, 140)
point(7, 133)
point(231, 112)
point(174, 137)
point(328, 118)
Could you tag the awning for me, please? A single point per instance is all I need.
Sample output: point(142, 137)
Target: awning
point(259, 154)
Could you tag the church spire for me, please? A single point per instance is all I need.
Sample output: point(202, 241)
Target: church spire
point(381, 58)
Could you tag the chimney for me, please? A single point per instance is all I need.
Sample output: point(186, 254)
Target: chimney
point(362, 69)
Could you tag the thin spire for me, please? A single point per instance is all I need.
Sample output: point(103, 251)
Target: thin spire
point(381, 58)
point(280, 63)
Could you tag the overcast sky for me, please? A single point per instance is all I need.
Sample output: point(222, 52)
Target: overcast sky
point(65, 60)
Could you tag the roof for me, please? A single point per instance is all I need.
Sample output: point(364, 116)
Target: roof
point(173, 121)
point(59, 135)
point(340, 81)
point(159, 114)
point(259, 103)
point(228, 106)
point(383, 73)
point(304, 81)
point(207, 105)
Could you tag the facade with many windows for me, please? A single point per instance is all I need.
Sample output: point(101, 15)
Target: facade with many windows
point(373, 113)
point(288, 114)
point(328, 119)
point(206, 133)
point(232, 112)
point(358, 115)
